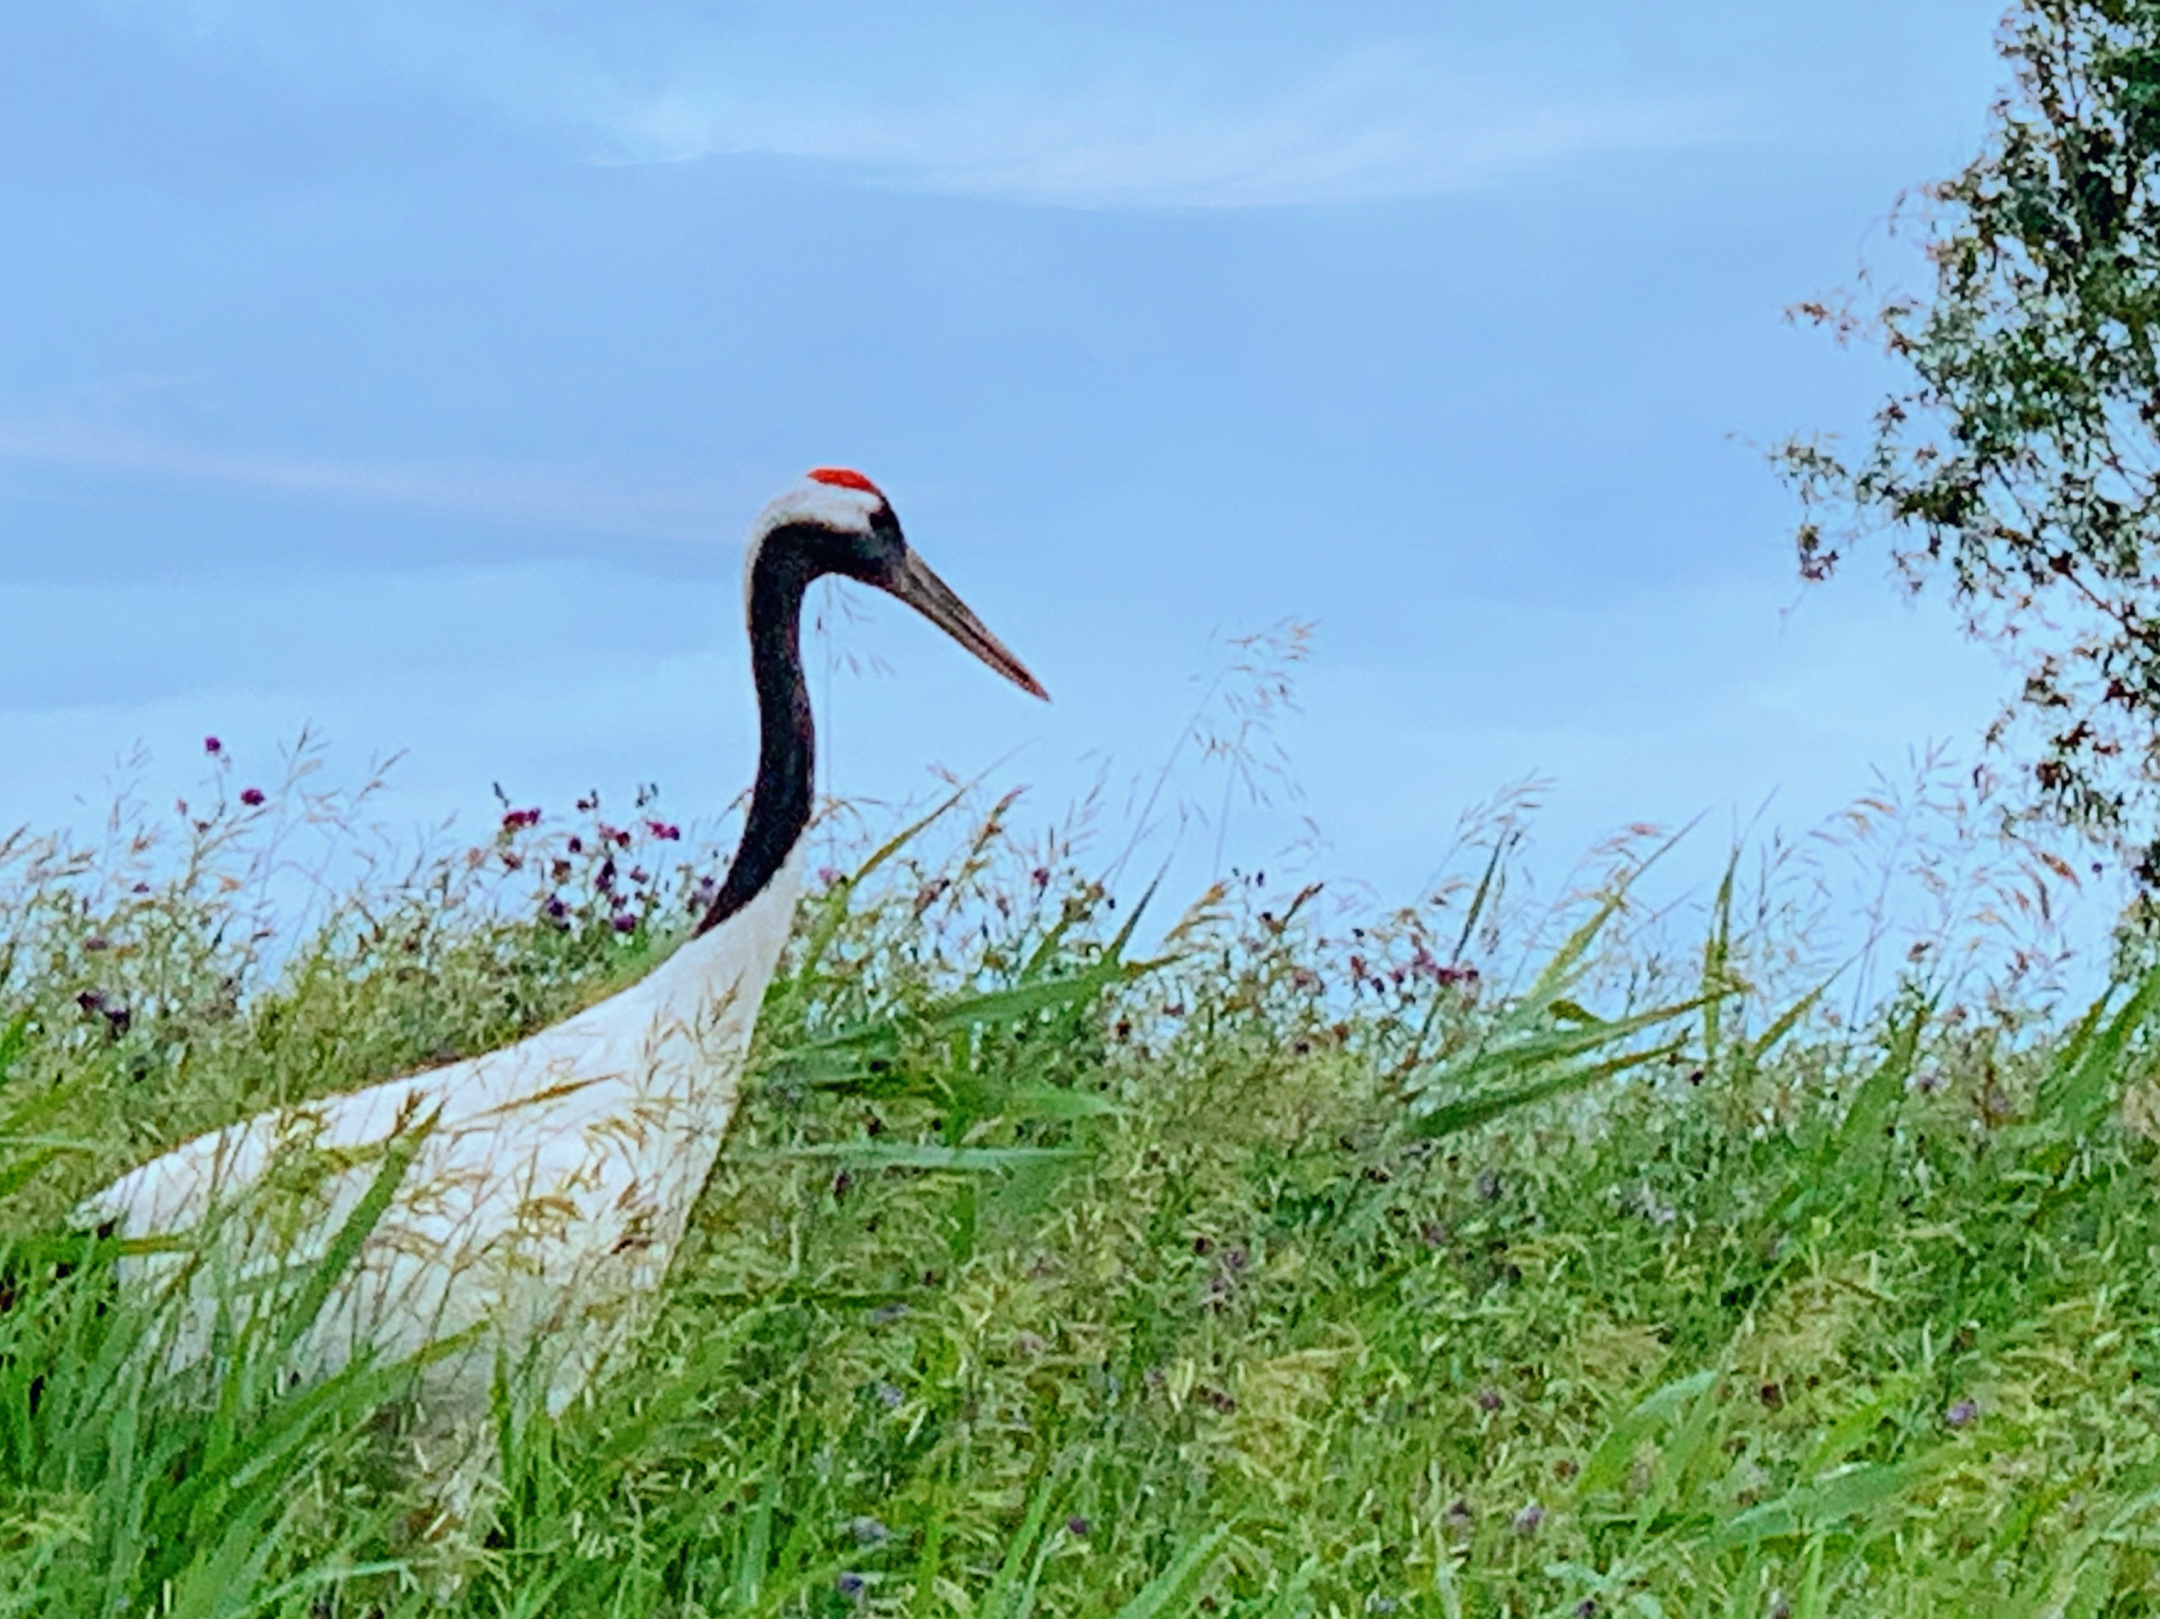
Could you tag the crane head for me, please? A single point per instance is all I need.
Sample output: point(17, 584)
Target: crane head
point(836, 521)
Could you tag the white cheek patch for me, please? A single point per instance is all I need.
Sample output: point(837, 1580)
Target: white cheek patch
point(827, 505)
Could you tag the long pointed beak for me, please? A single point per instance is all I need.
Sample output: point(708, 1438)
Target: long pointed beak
point(933, 598)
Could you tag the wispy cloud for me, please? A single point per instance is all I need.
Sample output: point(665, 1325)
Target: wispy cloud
point(1046, 107)
point(546, 497)
point(1383, 122)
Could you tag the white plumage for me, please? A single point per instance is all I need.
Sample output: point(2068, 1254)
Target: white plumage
point(551, 1184)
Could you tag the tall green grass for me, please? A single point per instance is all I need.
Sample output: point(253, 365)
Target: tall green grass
point(1264, 1258)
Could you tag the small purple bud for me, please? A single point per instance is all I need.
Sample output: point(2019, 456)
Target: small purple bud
point(827, 876)
point(1489, 1399)
point(1530, 1519)
point(1078, 1527)
point(624, 922)
point(252, 797)
point(211, 745)
point(850, 1585)
point(1961, 1415)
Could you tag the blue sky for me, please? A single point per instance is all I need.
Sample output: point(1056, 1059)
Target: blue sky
point(412, 370)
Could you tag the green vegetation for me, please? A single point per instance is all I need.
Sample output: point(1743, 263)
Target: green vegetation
point(2015, 463)
point(1271, 1261)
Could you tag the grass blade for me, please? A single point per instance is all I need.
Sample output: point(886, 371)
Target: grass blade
point(1172, 1589)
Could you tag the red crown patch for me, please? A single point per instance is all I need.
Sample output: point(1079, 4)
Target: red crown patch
point(845, 478)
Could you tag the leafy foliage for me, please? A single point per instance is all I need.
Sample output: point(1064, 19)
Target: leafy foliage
point(2020, 465)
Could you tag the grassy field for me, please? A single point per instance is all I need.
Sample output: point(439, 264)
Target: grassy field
point(1423, 1264)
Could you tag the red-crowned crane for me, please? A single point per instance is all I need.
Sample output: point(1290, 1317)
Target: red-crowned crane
point(549, 1182)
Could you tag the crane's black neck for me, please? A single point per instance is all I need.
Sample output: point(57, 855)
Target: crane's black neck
point(788, 561)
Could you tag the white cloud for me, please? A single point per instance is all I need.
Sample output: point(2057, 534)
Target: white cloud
point(532, 496)
point(1383, 122)
point(1047, 108)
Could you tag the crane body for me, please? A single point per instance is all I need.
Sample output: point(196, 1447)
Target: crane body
point(549, 1184)
point(546, 1185)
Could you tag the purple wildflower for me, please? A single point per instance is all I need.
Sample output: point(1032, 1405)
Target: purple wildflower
point(211, 745)
point(1961, 1415)
point(252, 797)
point(665, 831)
point(624, 922)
